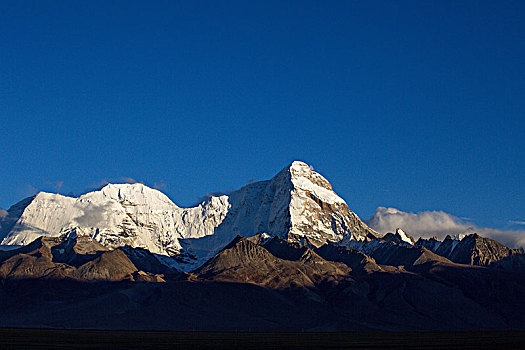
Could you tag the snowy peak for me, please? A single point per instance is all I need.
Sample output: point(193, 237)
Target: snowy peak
point(116, 215)
point(317, 213)
point(137, 194)
point(304, 178)
point(405, 237)
point(399, 237)
point(297, 204)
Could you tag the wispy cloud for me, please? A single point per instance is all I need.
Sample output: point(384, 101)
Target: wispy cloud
point(57, 185)
point(514, 222)
point(119, 180)
point(159, 186)
point(92, 215)
point(128, 180)
point(438, 223)
point(29, 190)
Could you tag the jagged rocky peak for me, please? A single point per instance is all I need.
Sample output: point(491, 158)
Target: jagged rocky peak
point(405, 237)
point(276, 264)
point(476, 250)
point(431, 243)
point(400, 237)
point(447, 246)
point(304, 177)
point(317, 213)
point(298, 204)
point(472, 249)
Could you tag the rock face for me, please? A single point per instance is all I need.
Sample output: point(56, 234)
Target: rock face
point(297, 204)
point(317, 213)
point(430, 243)
point(276, 265)
point(447, 246)
point(476, 250)
point(356, 260)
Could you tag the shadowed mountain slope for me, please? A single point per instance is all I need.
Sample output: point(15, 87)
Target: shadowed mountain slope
point(259, 284)
point(69, 257)
point(399, 255)
point(244, 261)
point(356, 260)
point(476, 250)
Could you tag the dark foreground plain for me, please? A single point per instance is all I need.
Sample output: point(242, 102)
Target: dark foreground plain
point(23, 338)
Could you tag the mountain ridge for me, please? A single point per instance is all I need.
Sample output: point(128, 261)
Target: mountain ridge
point(258, 283)
point(297, 204)
point(281, 254)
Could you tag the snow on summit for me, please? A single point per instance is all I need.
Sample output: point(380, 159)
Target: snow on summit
point(303, 177)
point(296, 204)
point(116, 215)
point(136, 193)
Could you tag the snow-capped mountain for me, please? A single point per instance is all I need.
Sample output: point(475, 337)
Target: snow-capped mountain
point(117, 215)
point(306, 261)
point(297, 204)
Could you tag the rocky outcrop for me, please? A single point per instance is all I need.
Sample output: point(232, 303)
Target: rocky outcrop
point(109, 266)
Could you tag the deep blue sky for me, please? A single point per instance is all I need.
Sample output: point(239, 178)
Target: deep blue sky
point(416, 105)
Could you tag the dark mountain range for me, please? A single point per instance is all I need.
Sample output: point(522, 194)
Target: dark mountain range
point(259, 284)
point(474, 250)
point(127, 257)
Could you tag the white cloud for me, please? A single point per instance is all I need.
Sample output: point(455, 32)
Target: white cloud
point(437, 223)
point(92, 215)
